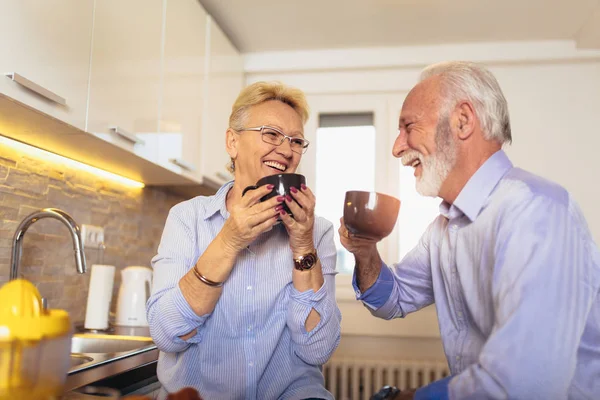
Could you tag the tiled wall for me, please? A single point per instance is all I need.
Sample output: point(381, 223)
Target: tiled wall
point(133, 220)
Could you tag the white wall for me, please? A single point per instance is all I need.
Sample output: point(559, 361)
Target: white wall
point(553, 91)
point(555, 114)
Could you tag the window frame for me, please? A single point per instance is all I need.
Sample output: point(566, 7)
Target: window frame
point(386, 110)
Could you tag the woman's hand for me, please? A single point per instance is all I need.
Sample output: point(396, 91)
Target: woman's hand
point(250, 217)
point(300, 227)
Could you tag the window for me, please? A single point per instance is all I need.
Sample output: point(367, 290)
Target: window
point(416, 212)
point(345, 160)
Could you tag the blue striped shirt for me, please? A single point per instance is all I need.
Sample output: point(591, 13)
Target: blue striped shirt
point(515, 277)
point(254, 344)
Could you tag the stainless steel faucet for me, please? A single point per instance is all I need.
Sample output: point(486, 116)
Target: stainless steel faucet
point(17, 245)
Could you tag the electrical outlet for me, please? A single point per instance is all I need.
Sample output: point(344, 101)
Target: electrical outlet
point(92, 236)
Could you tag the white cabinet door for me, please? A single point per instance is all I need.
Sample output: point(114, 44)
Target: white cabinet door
point(184, 64)
point(225, 81)
point(125, 72)
point(45, 49)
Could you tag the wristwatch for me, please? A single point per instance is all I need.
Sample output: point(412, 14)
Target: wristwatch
point(306, 262)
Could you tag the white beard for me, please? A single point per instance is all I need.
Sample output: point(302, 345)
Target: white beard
point(435, 167)
point(435, 171)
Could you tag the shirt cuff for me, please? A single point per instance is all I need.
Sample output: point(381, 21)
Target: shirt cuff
point(309, 297)
point(437, 390)
point(303, 303)
point(380, 292)
point(189, 318)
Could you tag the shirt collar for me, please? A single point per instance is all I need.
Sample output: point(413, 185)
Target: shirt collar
point(472, 197)
point(218, 202)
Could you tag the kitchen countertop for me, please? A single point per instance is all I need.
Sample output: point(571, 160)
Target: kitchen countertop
point(105, 365)
point(81, 396)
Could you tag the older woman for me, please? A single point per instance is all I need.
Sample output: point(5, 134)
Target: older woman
point(231, 312)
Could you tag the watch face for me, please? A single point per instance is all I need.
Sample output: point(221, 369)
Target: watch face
point(308, 261)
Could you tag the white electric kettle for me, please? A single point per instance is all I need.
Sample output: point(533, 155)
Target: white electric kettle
point(136, 283)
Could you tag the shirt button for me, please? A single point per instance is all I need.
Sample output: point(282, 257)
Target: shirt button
point(249, 328)
point(460, 314)
point(457, 358)
point(251, 364)
point(249, 287)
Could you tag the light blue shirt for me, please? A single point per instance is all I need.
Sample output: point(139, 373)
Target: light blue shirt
point(254, 344)
point(515, 277)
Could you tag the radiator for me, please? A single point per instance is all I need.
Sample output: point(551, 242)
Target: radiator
point(359, 379)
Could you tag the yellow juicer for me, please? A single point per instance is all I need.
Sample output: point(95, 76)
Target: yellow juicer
point(35, 344)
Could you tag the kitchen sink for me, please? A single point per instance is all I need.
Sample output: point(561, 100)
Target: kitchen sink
point(78, 359)
point(101, 343)
point(96, 355)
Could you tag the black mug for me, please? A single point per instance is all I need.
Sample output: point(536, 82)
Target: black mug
point(282, 184)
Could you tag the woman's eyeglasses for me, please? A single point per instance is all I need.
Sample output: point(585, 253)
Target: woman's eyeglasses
point(275, 137)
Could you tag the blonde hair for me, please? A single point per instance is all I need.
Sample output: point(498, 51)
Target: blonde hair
point(261, 92)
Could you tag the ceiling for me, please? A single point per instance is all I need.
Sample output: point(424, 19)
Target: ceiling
point(265, 25)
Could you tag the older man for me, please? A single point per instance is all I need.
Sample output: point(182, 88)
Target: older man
point(509, 262)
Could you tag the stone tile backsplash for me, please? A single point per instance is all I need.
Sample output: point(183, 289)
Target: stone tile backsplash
point(133, 220)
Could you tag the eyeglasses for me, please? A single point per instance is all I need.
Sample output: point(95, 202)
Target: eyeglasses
point(275, 137)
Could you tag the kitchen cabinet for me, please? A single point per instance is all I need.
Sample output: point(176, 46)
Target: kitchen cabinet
point(226, 79)
point(45, 55)
point(141, 88)
point(182, 97)
point(125, 74)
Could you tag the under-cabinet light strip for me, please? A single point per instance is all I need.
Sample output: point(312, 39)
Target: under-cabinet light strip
point(47, 155)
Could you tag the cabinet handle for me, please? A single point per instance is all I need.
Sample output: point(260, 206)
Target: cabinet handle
point(34, 87)
point(126, 135)
point(222, 176)
point(180, 162)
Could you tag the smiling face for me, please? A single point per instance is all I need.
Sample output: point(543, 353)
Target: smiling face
point(425, 140)
point(254, 158)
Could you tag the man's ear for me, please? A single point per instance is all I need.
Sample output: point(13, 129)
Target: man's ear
point(464, 120)
point(231, 143)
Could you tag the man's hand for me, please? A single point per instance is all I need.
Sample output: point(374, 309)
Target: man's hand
point(362, 249)
point(367, 258)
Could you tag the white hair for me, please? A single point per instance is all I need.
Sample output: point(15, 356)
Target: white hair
point(474, 83)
